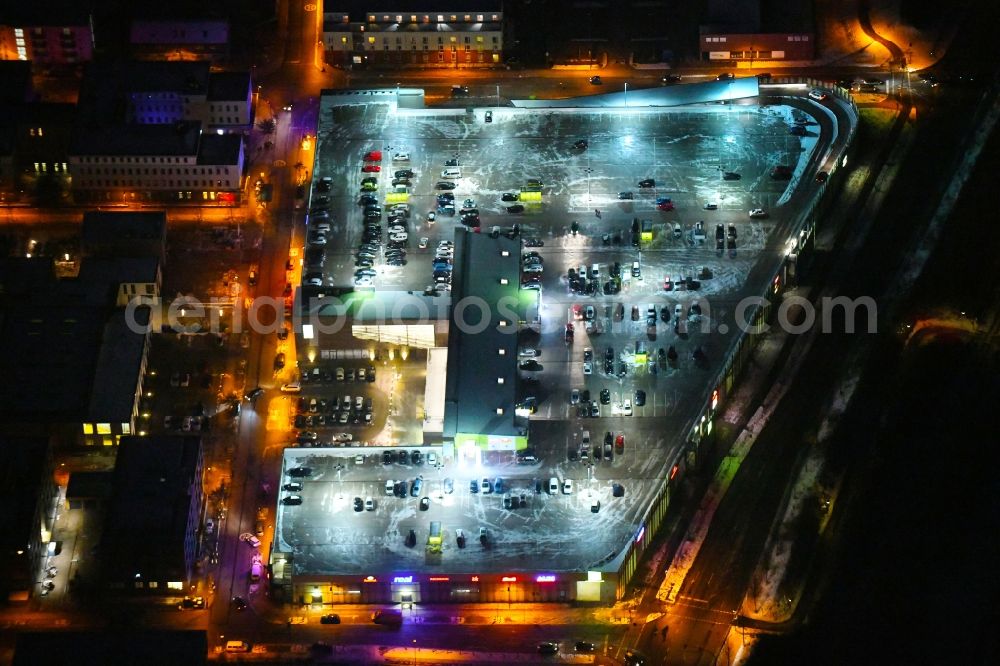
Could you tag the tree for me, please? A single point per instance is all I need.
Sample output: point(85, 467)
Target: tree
point(267, 126)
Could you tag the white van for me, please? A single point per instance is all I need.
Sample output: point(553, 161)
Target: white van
point(453, 173)
point(585, 440)
point(237, 646)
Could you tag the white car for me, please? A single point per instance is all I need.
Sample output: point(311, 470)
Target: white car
point(399, 237)
point(343, 437)
point(401, 157)
point(588, 367)
point(390, 486)
point(711, 205)
point(369, 504)
point(364, 281)
point(627, 408)
point(758, 213)
point(251, 539)
point(567, 487)
point(423, 243)
point(533, 268)
point(529, 352)
point(553, 485)
point(431, 216)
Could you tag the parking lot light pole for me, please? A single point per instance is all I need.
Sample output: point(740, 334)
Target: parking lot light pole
point(626, 94)
point(498, 96)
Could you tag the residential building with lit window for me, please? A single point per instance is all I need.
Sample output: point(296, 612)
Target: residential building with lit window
point(47, 33)
point(167, 132)
point(433, 33)
point(150, 537)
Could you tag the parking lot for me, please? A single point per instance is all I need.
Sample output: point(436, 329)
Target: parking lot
point(663, 265)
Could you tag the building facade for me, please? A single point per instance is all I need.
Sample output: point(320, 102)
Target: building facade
point(427, 33)
point(756, 47)
point(47, 35)
point(179, 39)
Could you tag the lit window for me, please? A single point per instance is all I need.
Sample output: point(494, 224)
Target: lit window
point(499, 380)
point(371, 40)
point(503, 280)
point(479, 18)
point(88, 429)
point(175, 586)
point(454, 39)
point(126, 429)
point(103, 428)
point(504, 253)
point(440, 18)
point(343, 40)
point(503, 323)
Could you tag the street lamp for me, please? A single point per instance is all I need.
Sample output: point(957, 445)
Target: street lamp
point(498, 96)
point(626, 94)
point(414, 652)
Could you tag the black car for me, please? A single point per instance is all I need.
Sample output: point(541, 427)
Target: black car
point(548, 648)
point(395, 261)
point(508, 196)
point(416, 458)
point(584, 646)
point(411, 539)
point(473, 486)
point(331, 618)
point(670, 79)
point(731, 175)
point(664, 313)
point(516, 208)
point(625, 196)
point(300, 471)
point(452, 162)
point(533, 242)
point(404, 173)
point(647, 182)
point(605, 397)
point(640, 397)
point(609, 367)
point(399, 489)
point(581, 144)
point(359, 504)
point(239, 603)
point(424, 504)
point(445, 185)
point(445, 197)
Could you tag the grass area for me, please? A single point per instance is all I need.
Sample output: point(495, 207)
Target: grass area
point(876, 121)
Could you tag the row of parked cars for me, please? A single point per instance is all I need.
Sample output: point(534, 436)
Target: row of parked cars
point(319, 412)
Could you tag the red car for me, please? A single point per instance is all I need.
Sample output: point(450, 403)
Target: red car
point(620, 443)
point(373, 156)
point(371, 168)
point(666, 205)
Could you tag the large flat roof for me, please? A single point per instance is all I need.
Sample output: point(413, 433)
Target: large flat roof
point(482, 353)
point(23, 461)
point(326, 537)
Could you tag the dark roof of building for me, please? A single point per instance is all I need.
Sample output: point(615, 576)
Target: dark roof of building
point(100, 648)
point(148, 515)
point(57, 334)
point(362, 8)
point(107, 87)
point(15, 81)
point(220, 149)
point(50, 353)
point(119, 365)
point(48, 13)
point(99, 279)
point(89, 485)
point(178, 139)
point(122, 227)
point(23, 461)
point(473, 393)
point(229, 86)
